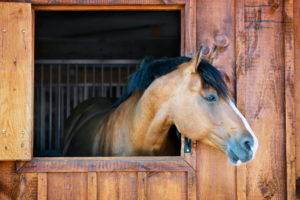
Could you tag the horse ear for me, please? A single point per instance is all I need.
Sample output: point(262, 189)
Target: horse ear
point(211, 60)
point(196, 59)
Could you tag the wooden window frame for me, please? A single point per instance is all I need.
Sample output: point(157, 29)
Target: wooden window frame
point(186, 161)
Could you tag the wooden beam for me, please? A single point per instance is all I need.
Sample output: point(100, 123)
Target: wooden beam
point(142, 185)
point(192, 185)
point(289, 99)
point(241, 87)
point(16, 82)
point(104, 2)
point(216, 177)
point(42, 186)
point(92, 186)
point(192, 156)
point(19, 165)
point(106, 7)
point(104, 166)
point(190, 28)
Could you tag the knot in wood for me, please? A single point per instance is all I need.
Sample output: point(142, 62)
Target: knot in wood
point(205, 50)
point(221, 40)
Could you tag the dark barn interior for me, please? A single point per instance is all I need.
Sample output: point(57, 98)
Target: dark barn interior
point(81, 55)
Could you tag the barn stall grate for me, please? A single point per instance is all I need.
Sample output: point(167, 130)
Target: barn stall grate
point(60, 85)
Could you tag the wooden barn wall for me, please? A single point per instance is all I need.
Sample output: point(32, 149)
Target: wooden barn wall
point(251, 51)
point(250, 39)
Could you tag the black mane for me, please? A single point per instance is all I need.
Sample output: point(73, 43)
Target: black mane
point(150, 69)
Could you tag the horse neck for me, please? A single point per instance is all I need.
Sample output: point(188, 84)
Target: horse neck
point(150, 119)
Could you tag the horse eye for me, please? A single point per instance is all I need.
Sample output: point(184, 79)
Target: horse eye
point(210, 98)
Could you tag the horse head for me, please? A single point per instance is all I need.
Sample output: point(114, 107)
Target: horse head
point(203, 110)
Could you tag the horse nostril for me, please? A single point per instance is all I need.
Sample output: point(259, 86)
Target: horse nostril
point(247, 146)
point(247, 143)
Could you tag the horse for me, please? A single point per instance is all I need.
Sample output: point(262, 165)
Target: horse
point(189, 93)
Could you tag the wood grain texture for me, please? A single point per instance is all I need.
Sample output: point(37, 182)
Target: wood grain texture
point(142, 185)
point(192, 193)
point(42, 186)
point(67, 186)
point(212, 175)
point(92, 186)
point(104, 166)
point(117, 185)
point(32, 75)
point(107, 2)
point(261, 86)
point(16, 186)
point(191, 158)
point(167, 185)
point(190, 28)
point(216, 27)
point(241, 83)
point(297, 88)
point(289, 98)
point(15, 87)
point(142, 7)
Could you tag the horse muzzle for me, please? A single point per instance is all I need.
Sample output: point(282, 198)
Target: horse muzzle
point(240, 149)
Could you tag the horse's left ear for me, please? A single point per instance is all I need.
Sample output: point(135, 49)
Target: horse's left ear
point(196, 59)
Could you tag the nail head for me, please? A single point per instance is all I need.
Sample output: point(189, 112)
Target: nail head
point(3, 131)
point(23, 31)
point(23, 132)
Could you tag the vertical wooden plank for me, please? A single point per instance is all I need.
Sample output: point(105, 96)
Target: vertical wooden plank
point(191, 157)
point(289, 98)
point(68, 186)
point(262, 85)
point(216, 177)
point(16, 81)
point(42, 186)
point(142, 185)
point(32, 78)
point(92, 186)
point(192, 185)
point(167, 185)
point(190, 28)
point(182, 30)
point(117, 185)
point(240, 87)
point(297, 90)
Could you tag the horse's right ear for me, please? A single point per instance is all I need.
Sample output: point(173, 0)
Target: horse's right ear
point(196, 60)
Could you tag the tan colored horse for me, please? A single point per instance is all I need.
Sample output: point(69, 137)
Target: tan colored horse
point(192, 95)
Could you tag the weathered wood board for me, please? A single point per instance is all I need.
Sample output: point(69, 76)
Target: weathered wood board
point(216, 27)
point(261, 94)
point(15, 81)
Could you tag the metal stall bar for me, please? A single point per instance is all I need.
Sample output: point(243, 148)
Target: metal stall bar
point(50, 110)
point(110, 81)
point(68, 90)
point(85, 88)
point(94, 72)
point(76, 87)
point(58, 108)
point(37, 114)
point(62, 111)
point(119, 81)
point(42, 110)
point(102, 81)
